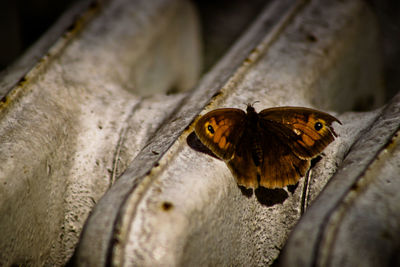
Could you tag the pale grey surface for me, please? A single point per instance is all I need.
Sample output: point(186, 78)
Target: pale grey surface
point(79, 118)
point(354, 221)
point(182, 207)
point(102, 240)
point(15, 72)
point(79, 122)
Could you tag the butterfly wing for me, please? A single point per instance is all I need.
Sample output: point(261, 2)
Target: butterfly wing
point(275, 167)
point(306, 131)
point(220, 130)
point(244, 163)
point(280, 165)
point(290, 137)
point(274, 154)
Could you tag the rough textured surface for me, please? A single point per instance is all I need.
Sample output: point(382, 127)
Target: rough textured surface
point(78, 118)
point(73, 18)
point(181, 207)
point(104, 237)
point(355, 219)
point(77, 124)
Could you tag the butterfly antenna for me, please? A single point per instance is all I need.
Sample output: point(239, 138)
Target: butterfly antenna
point(255, 102)
point(252, 104)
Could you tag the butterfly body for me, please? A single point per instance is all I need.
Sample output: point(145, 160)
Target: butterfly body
point(272, 148)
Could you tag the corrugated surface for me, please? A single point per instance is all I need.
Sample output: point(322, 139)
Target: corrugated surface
point(79, 118)
point(181, 207)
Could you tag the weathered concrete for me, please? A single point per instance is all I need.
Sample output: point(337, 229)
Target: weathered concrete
point(94, 115)
point(355, 220)
point(176, 206)
point(76, 120)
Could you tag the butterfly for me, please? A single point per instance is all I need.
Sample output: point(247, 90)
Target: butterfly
point(272, 148)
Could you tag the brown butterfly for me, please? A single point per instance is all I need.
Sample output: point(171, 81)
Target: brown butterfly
point(272, 148)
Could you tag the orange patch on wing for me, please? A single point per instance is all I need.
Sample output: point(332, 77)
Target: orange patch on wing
point(227, 145)
point(301, 143)
point(222, 142)
point(308, 130)
point(219, 132)
point(307, 140)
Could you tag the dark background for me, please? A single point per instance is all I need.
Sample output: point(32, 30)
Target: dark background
point(22, 22)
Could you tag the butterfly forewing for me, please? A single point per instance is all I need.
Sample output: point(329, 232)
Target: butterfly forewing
point(220, 130)
point(306, 131)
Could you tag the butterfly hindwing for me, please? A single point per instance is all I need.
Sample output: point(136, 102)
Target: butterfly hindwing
point(277, 166)
point(242, 164)
point(280, 166)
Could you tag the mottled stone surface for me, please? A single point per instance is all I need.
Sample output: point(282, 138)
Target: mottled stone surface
point(77, 119)
point(182, 207)
point(95, 116)
point(354, 221)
